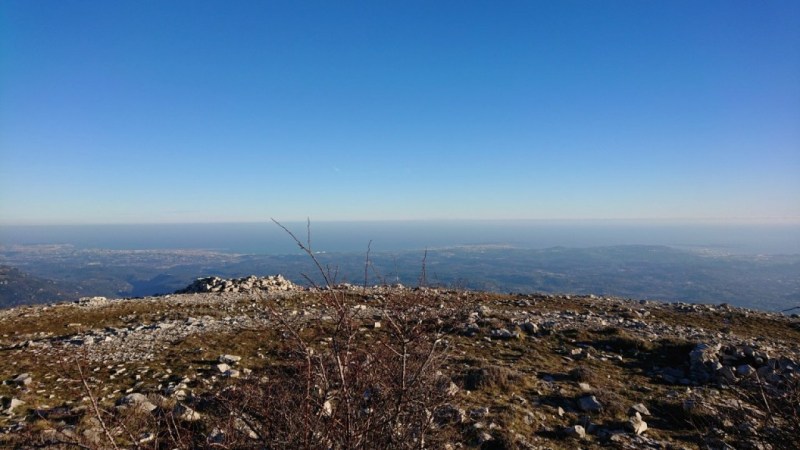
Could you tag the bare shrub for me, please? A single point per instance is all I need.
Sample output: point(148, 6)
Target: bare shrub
point(768, 412)
point(343, 386)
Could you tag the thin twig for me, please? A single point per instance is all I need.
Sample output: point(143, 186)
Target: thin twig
point(423, 278)
point(307, 249)
point(96, 408)
point(366, 264)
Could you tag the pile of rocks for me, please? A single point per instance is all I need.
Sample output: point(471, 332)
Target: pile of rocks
point(91, 301)
point(732, 363)
point(246, 284)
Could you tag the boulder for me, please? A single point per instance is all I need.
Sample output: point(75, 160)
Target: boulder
point(704, 361)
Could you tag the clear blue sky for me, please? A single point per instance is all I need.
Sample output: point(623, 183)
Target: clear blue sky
point(196, 111)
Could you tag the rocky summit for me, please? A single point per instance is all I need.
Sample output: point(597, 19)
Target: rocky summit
point(247, 284)
point(263, 363)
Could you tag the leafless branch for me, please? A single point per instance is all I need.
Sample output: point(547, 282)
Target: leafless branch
point(97, 413)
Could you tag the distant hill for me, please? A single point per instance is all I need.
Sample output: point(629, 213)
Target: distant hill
point(19, 288)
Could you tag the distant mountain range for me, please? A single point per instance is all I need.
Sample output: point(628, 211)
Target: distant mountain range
point(20, 288)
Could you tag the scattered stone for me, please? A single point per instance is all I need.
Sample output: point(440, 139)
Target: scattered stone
point(485, 438)
point(8, 404)
point(590, 404)
point(745, 370)
point(327, 408)
point(503, 333)
point(529, 327)
point(216, 436)
point(471, 329)
point(185, 413)
point(229, 359)
point(478, 413)
point(484, 311)
point(136, 401)
point(179, 395)
point(639, 408)
point(448, 387)
point(576, 431)
point(728, 374)
point(636, 424)
point(449, 414)
point(23, 379)
point(241, 426)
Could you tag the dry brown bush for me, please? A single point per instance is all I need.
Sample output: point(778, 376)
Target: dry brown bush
point(359, 391)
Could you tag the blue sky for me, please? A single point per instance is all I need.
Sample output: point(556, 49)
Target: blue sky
point(154, 111)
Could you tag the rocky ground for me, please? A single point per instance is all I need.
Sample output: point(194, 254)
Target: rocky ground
point(519, 371)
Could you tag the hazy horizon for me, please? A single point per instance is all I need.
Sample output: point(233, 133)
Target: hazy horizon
point(732, 221)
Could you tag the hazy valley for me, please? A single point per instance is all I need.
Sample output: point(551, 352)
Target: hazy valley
point(47, 273)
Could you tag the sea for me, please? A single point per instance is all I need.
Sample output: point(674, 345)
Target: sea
point(267, 238)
